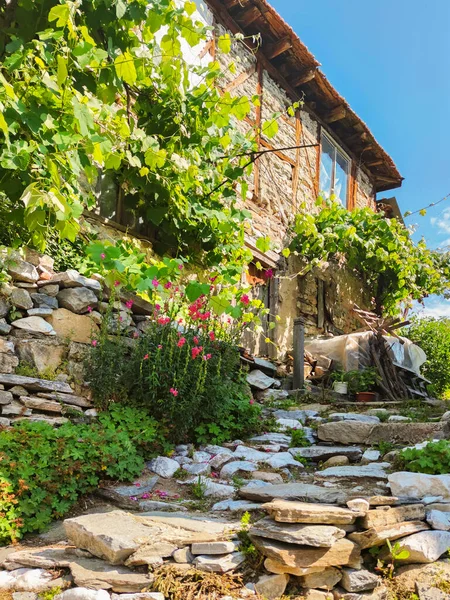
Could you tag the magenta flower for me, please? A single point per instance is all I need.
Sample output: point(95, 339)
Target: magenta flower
point(155, 283)
point(181, 342)
point(159, 347)
point(157, 307)
point(180, 267)
point(89, 309)
point(168, 285)
point(94, 343)
point(268, 273)
point(196, 351)
point(129, 303)
point(145, 357)
point(212, 335)
point(252, 401)
point(116, 283)
point(245, 299)
point(173, 391)
point(207, 356)
point(103, 256)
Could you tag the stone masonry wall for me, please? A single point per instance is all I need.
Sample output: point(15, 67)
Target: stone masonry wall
point(47, 322)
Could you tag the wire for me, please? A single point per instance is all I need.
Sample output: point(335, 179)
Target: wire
point(425, 207)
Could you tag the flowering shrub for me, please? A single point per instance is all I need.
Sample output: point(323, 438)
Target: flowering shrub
point(44, 470)
point(184, 369)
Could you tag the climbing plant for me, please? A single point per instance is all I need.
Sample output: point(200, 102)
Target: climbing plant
point(380, 250)
point(91, 87)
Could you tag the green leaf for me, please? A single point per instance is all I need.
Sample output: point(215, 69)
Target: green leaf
point(195, 289)
point(125, 69)
point(219, 304)
point(224, 43)
point(286, 252)
point(121, 8)
point(155, 159)
point(83, 116)
point(263, 243)
point(270, 128)
point(422, 212)
point(62, 70)
point(60, 14)
point(4, 127)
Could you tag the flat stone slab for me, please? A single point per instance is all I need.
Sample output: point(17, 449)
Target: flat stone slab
point(343, 552)
point(99, 575)
point(390, 515)
point(71, 399)
point(260, 380)
point(250, 454)
point(295, 491)
point(304, 512)
point(372, 471)
point(439, 520)
point(426, 546)
point(236, 505)
point(320, 536)
point(35, 384)
point(353, 417)
point(219, 564)
point(377, 536)
point(358, 580)
point(115, 536)
point(272, 438)
point(357, 432)
point(419, 485)
point(319, 453)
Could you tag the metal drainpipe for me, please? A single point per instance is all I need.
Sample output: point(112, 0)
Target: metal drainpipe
point(299, 353)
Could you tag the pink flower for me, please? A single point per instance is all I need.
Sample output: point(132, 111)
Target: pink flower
point(181, 342)
point(159, 347)
point(145, 357)
point(157, 307)
point(268, 273)
point(245, 299)
point(212, 279)
point(180, 267)
point(145, 496)
point(155, 283)
point(214, 474)
point(196, 351)
point(252, 401)
point(163, 320)
point(168, 285)
point(173, 391)
point(212, 336)
point(135, 334)
point(196, 340)
point(116, 283)
point(207, 357)
point(94, 343)
point(137, 484)
point(129, 303)
point(89, 309)
point(120, 318)
point(103, 256)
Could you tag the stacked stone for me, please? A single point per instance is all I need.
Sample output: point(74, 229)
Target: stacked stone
point(33, 399)
point(320, 546)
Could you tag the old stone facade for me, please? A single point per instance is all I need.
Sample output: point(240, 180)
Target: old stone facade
point(341, 157)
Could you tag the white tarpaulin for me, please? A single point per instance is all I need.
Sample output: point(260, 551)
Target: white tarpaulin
point(351, 352)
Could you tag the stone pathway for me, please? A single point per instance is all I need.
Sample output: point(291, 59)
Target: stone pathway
point(317, 511)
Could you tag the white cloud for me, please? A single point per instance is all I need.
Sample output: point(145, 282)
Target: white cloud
point(442, 222)
point(435, 308)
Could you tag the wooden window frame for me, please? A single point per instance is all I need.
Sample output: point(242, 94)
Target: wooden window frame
point(338, 147)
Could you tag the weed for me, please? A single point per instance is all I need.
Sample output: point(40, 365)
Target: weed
point(382, 415)
point(198, 489)
point(49, 594)
point(238, 482)
point(181, 474)
point(301, 459)
point(246, 546)
point(396, 553)
point(384, 447)
point(298, 438)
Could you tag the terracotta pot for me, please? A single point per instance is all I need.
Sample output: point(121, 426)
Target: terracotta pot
point(365, 396)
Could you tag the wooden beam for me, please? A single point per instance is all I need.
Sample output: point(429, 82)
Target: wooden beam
point(232, 3)
point(277, 48)
point(206, 48)
point(367, 148)
point(248, 16)
point(357, 137)
point(278, 153)
point(296, 171)
point(258, 110)
point(338, 113)
point(240, 78)
point(384, 179)
point(303, 77)
point(374, 163)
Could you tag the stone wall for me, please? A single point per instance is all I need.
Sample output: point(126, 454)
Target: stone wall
point(47, 321)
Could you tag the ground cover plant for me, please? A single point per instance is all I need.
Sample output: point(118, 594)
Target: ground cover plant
point(433, 459)
point(44, 470)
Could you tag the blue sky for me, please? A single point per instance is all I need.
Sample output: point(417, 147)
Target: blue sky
point(390, 59)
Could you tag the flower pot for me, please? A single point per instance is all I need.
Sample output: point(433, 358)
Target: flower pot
point(340, 387)
point(365, 397)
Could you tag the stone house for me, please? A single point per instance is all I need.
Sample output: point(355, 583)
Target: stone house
point(343, 158)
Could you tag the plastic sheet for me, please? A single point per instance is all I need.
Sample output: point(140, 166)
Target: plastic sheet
point(351, 352)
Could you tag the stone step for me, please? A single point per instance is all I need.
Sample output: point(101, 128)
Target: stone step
point(35, 384)
point(357, 432)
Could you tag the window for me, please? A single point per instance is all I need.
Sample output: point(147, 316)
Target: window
point(334, 170)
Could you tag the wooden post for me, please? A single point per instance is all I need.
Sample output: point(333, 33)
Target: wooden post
point(299, 353)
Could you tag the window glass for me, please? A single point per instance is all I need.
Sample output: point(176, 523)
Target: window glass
point(341, 177)
point(334, 170)
point(326, 166)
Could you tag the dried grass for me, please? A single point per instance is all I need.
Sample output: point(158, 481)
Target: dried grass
point(194, 584)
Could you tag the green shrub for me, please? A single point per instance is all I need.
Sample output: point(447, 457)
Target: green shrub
point(45, 470)
point(191, 383)
point(433, 459)
point(433, 336)
point(298, 438)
